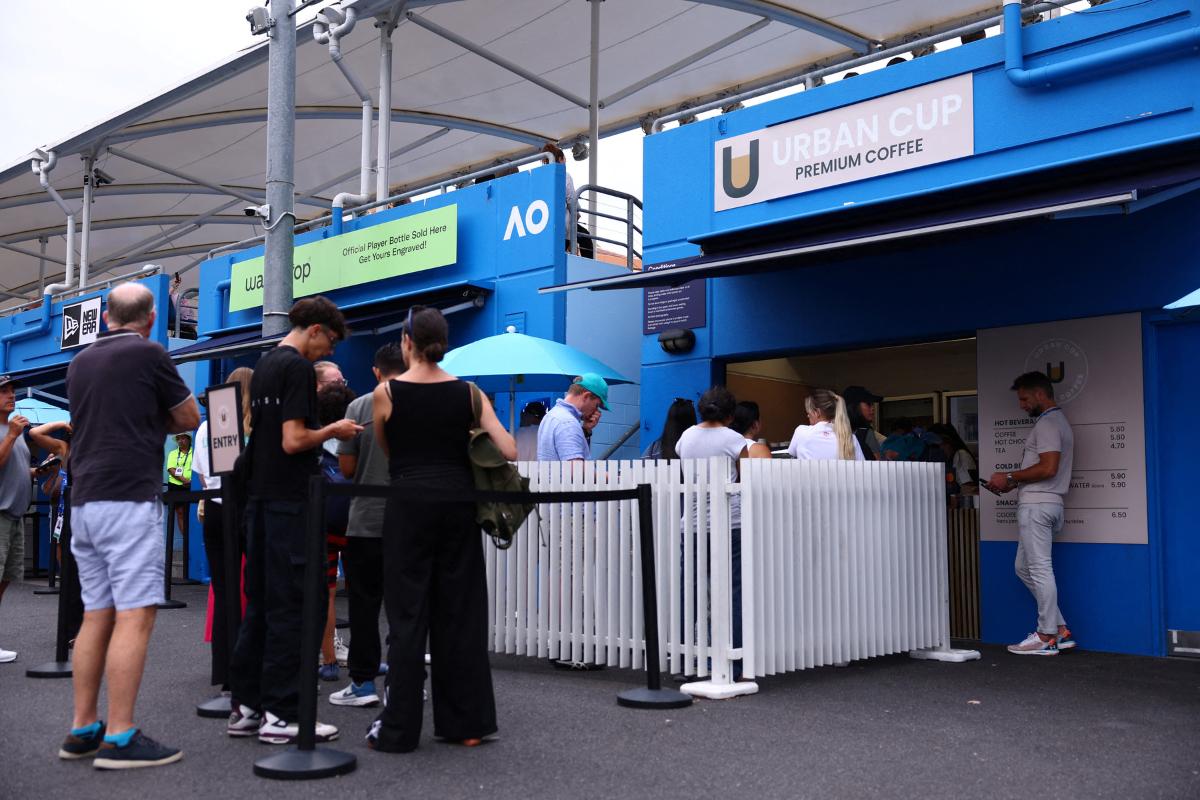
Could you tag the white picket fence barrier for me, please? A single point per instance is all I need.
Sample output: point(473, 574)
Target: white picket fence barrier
point(840, 561)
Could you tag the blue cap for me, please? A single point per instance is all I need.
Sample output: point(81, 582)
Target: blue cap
point(596, 385)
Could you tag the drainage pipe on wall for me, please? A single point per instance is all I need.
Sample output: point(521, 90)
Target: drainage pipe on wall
point(41, 167)
point(1117, 57)
point(331, 25)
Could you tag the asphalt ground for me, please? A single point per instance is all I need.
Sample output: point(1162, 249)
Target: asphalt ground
point(1078, 725)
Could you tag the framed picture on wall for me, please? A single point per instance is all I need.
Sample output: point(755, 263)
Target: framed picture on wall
point(961, 409)
point(919, 409)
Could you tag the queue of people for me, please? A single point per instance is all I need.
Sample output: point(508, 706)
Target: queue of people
point(417, 559)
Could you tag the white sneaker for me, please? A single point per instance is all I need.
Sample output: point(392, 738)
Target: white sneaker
point(243, 721)
point(7, 655)
point(1034, 645)
point(356, 694)
point(341, 651)
point(277, 731)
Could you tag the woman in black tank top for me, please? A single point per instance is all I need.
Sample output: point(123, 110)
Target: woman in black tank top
point(435, 584)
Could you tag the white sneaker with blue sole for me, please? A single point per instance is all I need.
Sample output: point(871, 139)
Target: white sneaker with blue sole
point(361, 695)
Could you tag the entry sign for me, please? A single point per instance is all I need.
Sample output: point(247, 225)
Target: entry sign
point(913, 128)
point(410, 244)
point(225, 434)
point(80, 323)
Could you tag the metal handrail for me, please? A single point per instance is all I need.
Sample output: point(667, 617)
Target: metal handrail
point(479, 173)
point(813, 75)
point(142, 272)
point(630, 227)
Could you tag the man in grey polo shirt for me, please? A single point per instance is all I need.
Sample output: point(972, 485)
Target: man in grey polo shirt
point(1042, 481)
point(561, 434)
point(361, 459)
point(16, 485)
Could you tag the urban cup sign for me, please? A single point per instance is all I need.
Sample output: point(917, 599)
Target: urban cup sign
point(412, 244)
point(914, 128)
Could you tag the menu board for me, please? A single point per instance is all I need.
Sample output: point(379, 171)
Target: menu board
point(1096, 367)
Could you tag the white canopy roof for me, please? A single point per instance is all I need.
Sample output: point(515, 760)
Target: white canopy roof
point(458, 105)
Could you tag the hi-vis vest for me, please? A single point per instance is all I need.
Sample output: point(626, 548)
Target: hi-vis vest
point(175, 459)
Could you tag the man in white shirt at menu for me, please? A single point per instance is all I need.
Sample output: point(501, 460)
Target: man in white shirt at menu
point(1042, 481)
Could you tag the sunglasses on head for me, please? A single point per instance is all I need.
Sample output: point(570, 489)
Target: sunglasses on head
point(408, 325)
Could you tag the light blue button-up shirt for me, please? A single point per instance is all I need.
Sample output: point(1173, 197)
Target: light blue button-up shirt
point(560, 434)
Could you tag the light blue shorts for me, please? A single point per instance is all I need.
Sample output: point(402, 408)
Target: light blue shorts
point(119, 547)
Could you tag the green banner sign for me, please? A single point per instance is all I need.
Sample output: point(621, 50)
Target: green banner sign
point(412, 244)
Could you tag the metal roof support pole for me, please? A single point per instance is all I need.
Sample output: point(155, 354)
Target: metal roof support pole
point(281, 165)
point(42, 240)
point(85, 226)
point(594, 113)
point(383, 132)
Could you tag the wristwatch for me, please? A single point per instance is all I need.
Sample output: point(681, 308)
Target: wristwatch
point(1011, 480)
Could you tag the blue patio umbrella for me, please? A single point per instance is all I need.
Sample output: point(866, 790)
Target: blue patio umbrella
point(513, 361)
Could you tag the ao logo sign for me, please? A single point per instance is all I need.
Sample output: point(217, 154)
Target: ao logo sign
point(536, 218)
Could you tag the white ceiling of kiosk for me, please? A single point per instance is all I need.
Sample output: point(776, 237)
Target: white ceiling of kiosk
point(214, 125)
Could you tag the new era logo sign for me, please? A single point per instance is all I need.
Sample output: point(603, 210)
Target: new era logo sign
point(81, 323)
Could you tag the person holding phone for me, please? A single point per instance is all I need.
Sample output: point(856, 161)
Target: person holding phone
point(16, 488)
point(1041, 482)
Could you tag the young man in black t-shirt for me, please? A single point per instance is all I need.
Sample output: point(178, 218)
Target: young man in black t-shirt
point(283, 453)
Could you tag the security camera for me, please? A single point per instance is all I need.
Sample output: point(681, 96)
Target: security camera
point(263, 211)
point(331, 16)
point(102, 177)
point(260, 20)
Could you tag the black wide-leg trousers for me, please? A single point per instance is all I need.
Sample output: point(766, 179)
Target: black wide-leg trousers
point(435, 589)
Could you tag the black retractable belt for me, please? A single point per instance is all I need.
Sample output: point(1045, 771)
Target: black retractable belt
point(60, 667)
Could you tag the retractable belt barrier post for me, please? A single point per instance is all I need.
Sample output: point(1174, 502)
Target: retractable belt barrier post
point(306, 761)
point(217, 706)
point(170, 500)
point(60, 667)
point(53, 566)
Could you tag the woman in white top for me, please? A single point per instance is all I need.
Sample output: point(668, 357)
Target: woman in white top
point(713, 437)
point(827, 436)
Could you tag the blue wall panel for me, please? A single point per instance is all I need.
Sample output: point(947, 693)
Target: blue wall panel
point(1102, 591)
point(952, 285)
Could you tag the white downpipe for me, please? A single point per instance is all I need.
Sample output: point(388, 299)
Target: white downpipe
point(42, 167)
point(331, 25)
point(383, 130)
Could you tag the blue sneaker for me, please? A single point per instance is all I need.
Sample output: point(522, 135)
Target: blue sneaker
point(329, 672)
point(82, 746)
point(362, 695)
point(1066, 641)
point(140, 751)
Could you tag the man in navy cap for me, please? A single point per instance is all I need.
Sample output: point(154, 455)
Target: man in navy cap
point(561, 434)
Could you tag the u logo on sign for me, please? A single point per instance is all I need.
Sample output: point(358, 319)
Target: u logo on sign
point(739, 176)
point(536, 218)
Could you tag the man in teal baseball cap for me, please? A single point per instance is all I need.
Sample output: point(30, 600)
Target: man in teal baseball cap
point(561, 436)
